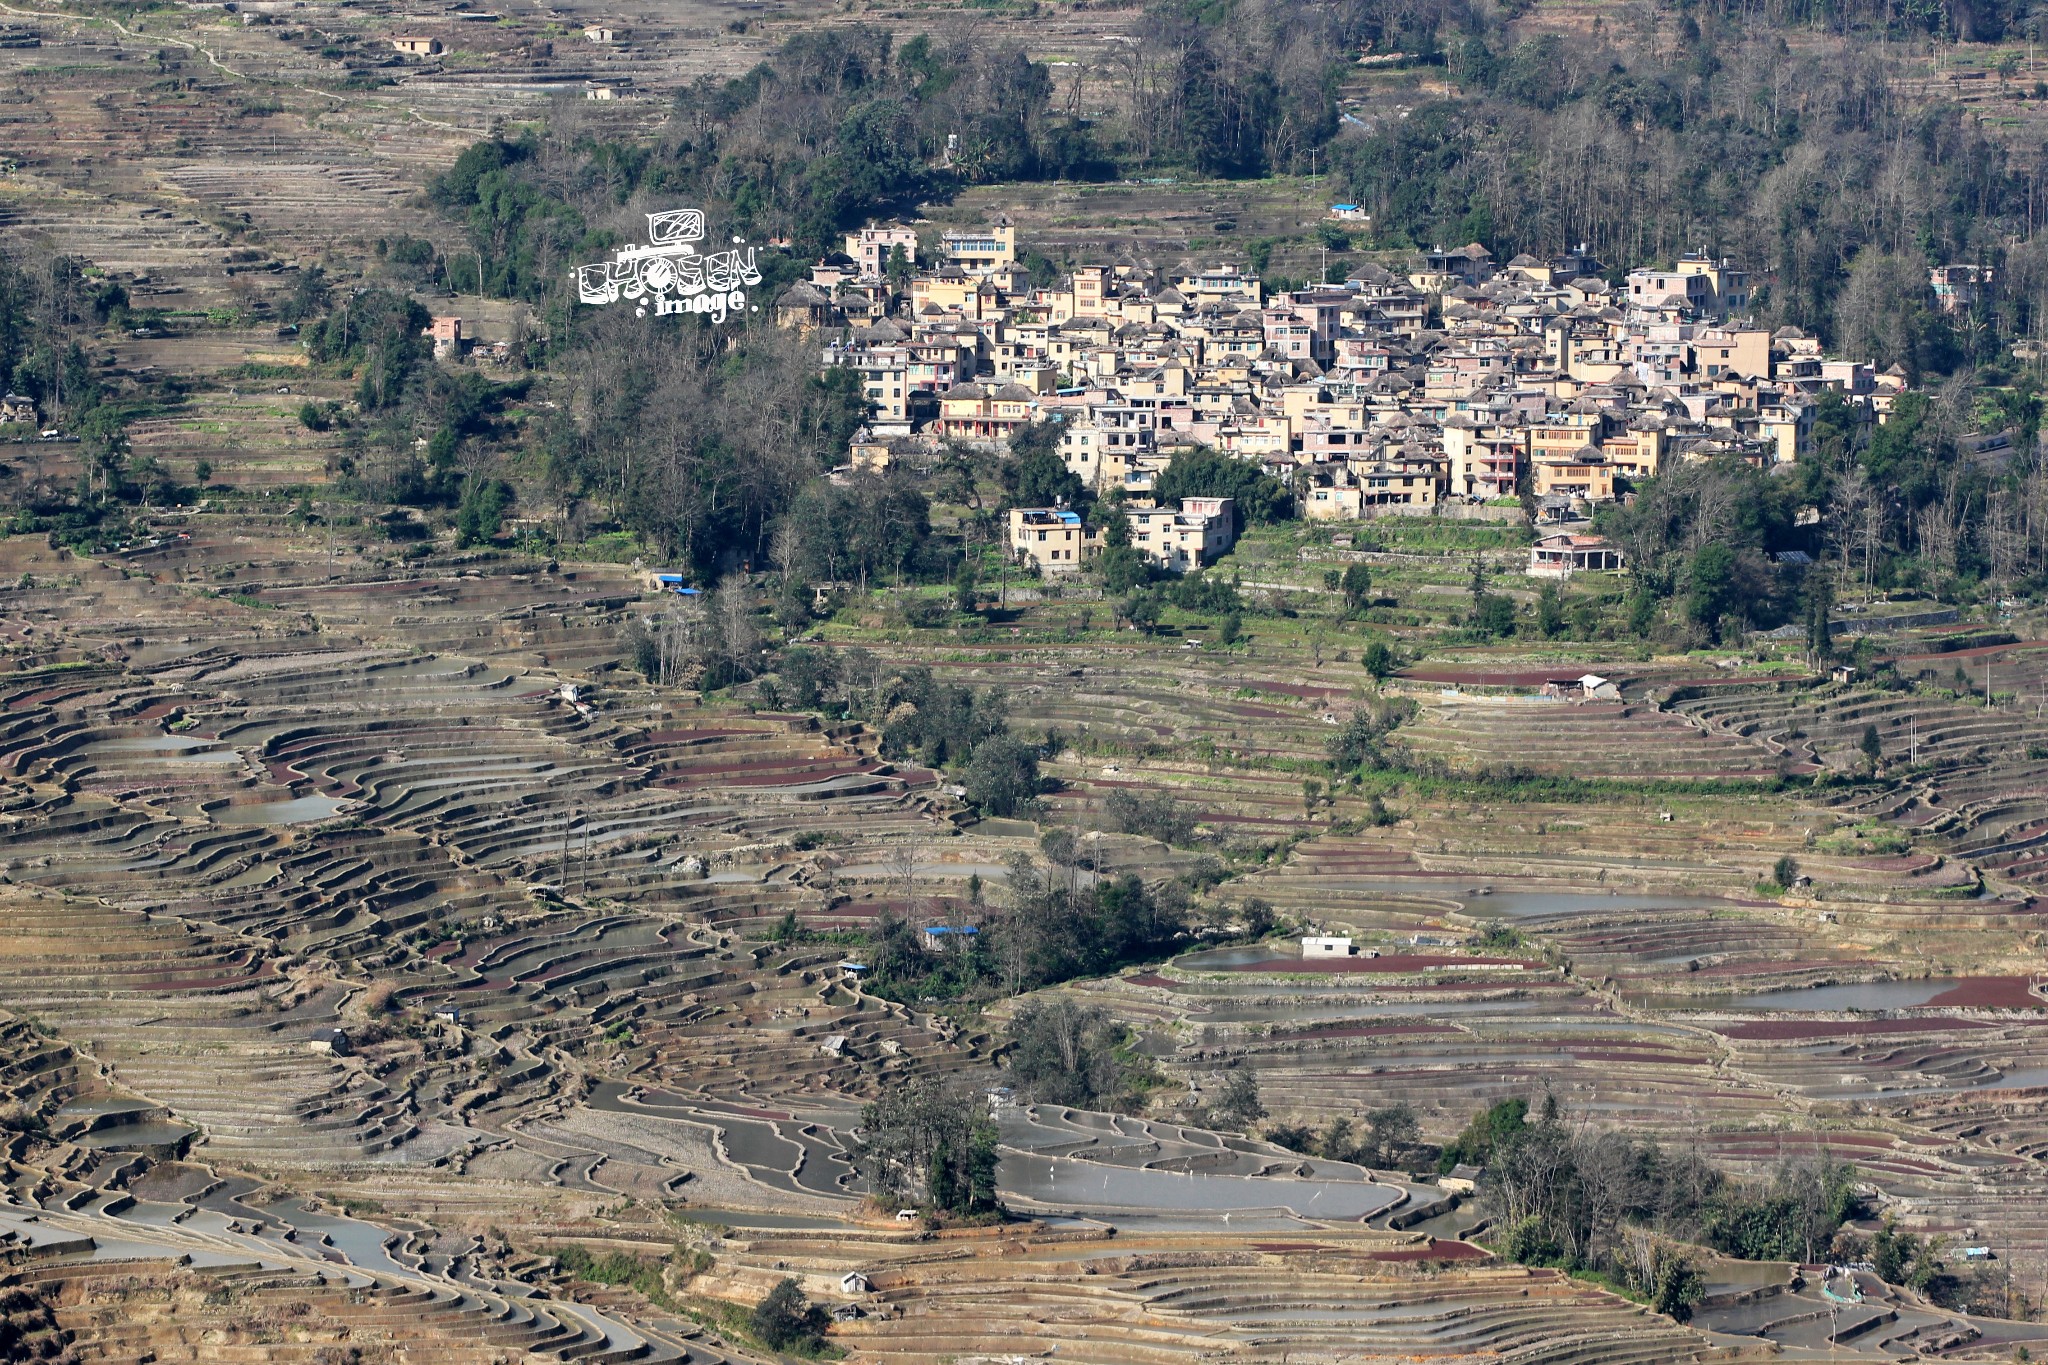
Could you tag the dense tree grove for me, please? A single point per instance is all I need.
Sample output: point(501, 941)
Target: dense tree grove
point(701, 444)
point(1053, 924)
point(1568, 1194)
point(50, 305)
point(929, 1144)
point(1390, 1140)
point(785, 1320)
point(837, 127)
point(834, 128)
point(44, 303)
point(868, 530)
point(1205, 473)
point(1064, 1052)
point(1878, 509)
point(1360, 743)
point(1796, 161)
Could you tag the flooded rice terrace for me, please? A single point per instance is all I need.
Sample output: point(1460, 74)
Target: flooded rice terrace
point(299, 810)
point(1054, 1161)
point(1089, 1163)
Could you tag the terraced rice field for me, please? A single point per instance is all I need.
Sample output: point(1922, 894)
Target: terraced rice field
point(1611, 740)
point(248, 793)
point(215, 847)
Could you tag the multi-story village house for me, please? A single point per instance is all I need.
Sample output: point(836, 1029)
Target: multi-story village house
point(1180, 539)
point(981, 413)
point(1052, 540)
point(871, 247)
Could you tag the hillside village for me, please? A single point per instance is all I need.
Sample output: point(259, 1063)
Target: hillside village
point(1454, 390)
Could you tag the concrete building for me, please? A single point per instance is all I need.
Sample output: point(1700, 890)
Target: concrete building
point(1701, 285)
point(1218, 285)
point(984, 252)
point(446, 334)
point(978, 412)
point(1471, 264)
point(805, 307)
point(871, 246)
point(1743, 352)
point(1195, 534)
point(1051, 540)
point(1584, 475)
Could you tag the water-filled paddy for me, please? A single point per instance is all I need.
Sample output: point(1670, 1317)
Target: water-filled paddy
point(297, 811)
point(1268, 957)
point(1363, 1011)
point(152, 744)
point(1848, 995)
point(128, 1137)
point(1066, 1183)
point(164, 749)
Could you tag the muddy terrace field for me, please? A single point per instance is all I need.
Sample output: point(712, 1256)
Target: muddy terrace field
point(261, 782)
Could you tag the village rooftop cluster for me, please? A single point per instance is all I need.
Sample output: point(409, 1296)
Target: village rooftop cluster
point(1456, 386)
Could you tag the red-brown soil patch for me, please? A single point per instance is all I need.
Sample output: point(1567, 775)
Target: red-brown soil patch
point(1786, 1030)
point(1991, 993)
point(1358, 1031)
point(1435, 1251)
